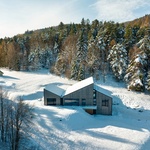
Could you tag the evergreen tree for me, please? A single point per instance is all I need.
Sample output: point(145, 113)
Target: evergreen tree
point(118, 60)
point(81, 73)
point(139, 65)
point(148, 81)
point(93, 56)
point(80, 56)
point(135, 73)
point(74, 70)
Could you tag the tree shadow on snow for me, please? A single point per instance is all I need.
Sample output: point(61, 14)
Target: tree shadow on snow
point(33, 96)
point(51, 122)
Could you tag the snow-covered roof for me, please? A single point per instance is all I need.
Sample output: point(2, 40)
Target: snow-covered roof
point(55, 89)
point(102, 90)
point(79, 85)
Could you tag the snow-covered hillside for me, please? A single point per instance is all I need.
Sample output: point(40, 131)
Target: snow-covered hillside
point(71, 128)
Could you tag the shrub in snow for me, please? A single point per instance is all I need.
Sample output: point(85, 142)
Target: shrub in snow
point(118, 60)
point(1, 73)
point(136, 84)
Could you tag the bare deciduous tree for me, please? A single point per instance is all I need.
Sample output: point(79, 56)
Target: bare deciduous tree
point(15, 121)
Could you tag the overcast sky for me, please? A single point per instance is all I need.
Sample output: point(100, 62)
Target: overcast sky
point(18, 16)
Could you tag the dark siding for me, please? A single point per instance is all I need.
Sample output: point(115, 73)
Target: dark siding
point(84, 93)
point(48, 94)
point(105, 110)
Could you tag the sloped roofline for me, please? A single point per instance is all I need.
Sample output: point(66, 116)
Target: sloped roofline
point(55, 90)
point(78, 86)
point(61, 92)
point(102, 90)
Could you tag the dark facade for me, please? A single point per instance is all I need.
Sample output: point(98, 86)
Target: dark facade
point(84, 96)
point(90, 98)
point(104, 104)
point(51, 98)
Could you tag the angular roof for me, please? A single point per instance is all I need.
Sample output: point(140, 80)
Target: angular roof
point(102, 90)
point(79, 85)
point(55, 89)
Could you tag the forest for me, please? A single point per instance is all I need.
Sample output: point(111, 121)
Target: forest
point(78, 51)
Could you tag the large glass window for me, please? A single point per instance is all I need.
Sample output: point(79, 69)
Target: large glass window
point(51, 101)
point(83, 102)
point(71, 102)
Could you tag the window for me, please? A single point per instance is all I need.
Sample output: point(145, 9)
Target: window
point(94, 102)
point(94, 94)
point(94, 97)
point(71, 102)
point(51, 101)
point(105, 103)
point(83, 102)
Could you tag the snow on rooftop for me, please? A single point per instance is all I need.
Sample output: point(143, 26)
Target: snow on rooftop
point(79, 85)
point(69, 127)
point(102, 90)
point(55, 89)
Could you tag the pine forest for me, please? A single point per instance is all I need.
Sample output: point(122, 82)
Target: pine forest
point(90, 48)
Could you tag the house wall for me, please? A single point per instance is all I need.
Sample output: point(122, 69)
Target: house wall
point(48, 94)
point(84, 93)
point(103, 109)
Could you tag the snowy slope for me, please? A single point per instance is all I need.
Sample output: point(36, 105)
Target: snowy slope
point(70, 128)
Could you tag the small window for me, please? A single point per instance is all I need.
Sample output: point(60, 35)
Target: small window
point(94, 94)
point(94, 102)
point(105, 103)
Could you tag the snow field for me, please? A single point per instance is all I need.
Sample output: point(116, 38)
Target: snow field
point(71, 128)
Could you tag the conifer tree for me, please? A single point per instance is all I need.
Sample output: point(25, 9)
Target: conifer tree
point(148, 81)
point(118, 60)
point(80, 56)
point(139, 65)
point(135, 73)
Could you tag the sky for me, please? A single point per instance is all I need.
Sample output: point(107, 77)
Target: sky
point(18, 16)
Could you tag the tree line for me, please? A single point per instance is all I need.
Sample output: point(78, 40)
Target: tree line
point(80, 50)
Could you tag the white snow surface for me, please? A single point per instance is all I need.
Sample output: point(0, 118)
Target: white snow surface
point(71, 128)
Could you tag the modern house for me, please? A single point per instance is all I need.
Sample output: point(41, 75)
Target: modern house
point(84, 93)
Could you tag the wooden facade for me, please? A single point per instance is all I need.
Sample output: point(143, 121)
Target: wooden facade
point(83, 96)
point(49, 95)
point(104, 104)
